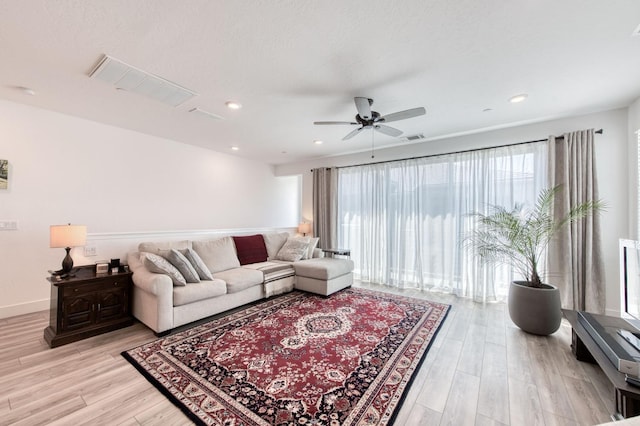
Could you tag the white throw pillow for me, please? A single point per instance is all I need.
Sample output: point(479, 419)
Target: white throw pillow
point(293, 250)
point(203, 272)
point(182, 264)
point(160, 265)
point(313, 243)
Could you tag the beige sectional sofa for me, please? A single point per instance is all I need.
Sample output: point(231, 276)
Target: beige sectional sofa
point(164, 301)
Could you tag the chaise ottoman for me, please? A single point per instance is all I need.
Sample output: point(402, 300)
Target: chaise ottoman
point(324, 275)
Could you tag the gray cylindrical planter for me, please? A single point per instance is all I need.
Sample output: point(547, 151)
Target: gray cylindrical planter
point(535, 310)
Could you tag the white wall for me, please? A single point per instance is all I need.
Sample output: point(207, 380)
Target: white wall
point(65, 169)
point(612, 168)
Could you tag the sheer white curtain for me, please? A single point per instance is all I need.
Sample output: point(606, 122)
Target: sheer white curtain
point(405, 221)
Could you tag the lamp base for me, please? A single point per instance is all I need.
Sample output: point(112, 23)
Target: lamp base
point(67, 262)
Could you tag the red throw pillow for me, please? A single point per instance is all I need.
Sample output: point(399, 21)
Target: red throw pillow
point(250, 249)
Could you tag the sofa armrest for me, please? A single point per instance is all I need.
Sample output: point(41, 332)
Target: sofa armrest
point(156, 284)
point(152, 296)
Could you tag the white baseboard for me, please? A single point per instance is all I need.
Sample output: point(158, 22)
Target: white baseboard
point(24, 308)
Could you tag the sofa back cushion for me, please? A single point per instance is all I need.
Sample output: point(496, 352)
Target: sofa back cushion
point(250, 249)
point(274, 242)
point(154, 247)
point(218, 255)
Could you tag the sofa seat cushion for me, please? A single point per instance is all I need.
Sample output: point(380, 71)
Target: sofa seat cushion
point(323, 268)
point(198, 291)
point(239, 279)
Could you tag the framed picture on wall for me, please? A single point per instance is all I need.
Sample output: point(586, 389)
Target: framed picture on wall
point(4, 174)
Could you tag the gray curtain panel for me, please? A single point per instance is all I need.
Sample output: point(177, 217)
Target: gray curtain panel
point(325, 195)
point(574, 259)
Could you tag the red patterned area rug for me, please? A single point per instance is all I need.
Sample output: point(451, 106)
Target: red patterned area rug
point(298, 359)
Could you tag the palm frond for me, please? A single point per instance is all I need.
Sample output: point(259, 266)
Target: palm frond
point(519, 237)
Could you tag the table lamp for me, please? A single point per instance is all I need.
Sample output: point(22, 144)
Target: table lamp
point(304, 228)
point(67, 236)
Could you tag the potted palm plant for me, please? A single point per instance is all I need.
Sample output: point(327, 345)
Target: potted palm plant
point(519, 237)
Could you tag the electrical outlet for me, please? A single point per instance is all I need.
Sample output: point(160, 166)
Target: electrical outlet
point(90, 251)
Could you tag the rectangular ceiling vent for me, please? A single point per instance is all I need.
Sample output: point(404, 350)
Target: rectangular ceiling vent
point(415, 137)
point(198, 111)
point(131, 79)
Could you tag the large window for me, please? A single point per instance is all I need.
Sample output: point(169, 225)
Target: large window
point(406, 221)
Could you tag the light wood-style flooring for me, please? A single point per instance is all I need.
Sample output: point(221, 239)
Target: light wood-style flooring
point(480, 370)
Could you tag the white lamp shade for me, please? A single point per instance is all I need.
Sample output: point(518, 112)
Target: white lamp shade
point(67, 235)
point(304, 228)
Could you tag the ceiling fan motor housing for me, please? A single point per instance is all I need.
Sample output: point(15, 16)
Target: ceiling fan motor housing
point(375, 115)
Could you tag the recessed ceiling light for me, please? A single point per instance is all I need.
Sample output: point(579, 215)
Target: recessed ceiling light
point(233, 105)
point(518, 98)
point(637, 31)
point(235, 148)
point(317, 142)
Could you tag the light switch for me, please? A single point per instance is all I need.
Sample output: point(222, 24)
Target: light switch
point(8, 225)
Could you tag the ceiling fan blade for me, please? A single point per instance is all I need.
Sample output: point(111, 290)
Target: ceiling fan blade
point(401, 115)
point(363, 105)
point(352, 134)
point(391, 131)
point(333, 122)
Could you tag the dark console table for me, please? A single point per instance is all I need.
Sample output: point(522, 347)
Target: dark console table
point(88, 304)
point(584, 348)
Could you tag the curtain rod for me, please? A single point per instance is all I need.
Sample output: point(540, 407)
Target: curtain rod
point(599, 131)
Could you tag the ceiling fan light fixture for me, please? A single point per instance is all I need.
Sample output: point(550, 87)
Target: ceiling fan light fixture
point(518, 98)
point(233, 105)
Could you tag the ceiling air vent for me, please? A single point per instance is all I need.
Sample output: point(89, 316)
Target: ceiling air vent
point(415, 137)
point(198, 111)
point(126, 77)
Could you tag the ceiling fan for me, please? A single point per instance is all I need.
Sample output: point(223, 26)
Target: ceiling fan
point(368, 119)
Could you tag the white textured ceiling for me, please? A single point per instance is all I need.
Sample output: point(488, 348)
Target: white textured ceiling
point(294, 62)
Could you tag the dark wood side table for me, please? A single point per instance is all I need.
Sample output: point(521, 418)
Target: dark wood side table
point(87, 305)
point(584, 348)
point(332, 252)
